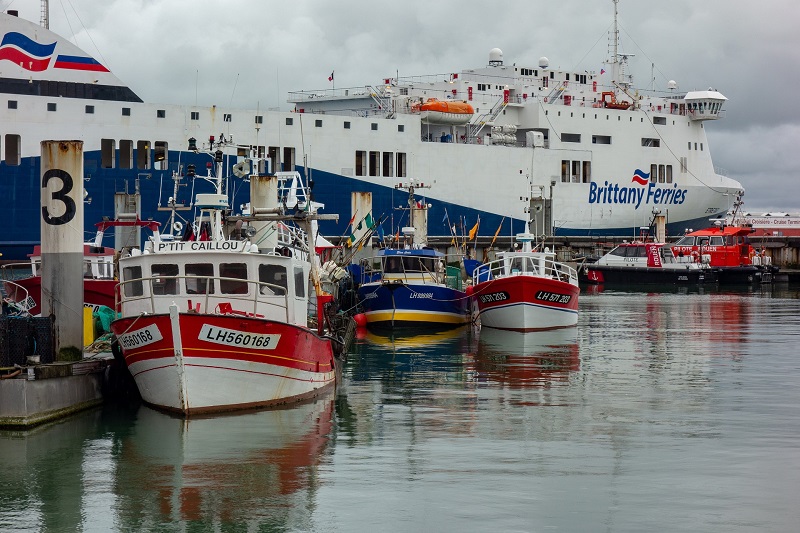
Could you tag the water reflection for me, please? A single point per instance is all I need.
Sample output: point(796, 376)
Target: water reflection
point(256, 468)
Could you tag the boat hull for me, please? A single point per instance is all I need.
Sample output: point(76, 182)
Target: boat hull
point(744, 275)
point(413, 304)
point(96, 292)
point(624, 276)
point(526, 303)
point(198, 363)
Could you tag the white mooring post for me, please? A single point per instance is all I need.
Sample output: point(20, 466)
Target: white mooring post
point(62, 244)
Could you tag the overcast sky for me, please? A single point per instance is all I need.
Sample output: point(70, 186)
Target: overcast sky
point(249, 53)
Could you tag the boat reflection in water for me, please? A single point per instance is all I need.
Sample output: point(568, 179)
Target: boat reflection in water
point(523, 360)
point(257, 468)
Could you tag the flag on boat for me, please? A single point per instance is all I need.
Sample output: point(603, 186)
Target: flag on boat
point(474, 231)
point(602, 71)
point(330, 78)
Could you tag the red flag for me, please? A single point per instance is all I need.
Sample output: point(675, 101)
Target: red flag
point(330, 78)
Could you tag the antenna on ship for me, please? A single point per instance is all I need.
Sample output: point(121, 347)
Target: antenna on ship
point(44, 22)
point(618, 61)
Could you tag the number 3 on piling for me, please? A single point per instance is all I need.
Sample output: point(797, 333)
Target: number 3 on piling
point(60, 195)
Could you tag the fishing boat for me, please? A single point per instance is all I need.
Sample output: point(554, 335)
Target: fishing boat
point(220, 321)
point(609, 165)
point(99, 271)
point(526, 290)
point(409, 284)
point(647, 263)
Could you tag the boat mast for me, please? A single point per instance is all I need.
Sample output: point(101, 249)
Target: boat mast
point(44, 22)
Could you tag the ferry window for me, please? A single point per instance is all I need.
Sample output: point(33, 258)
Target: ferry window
point(13, 154)
point(275, 276)
point(161, 155)
point(576, 172)
point(374, 159)
point(318, 123)
point(203, 282)
point(660, 120)
point(299, 283)
point(601, 139)
point(690, 145)
point(107, 149)
point(289, 121)
point(227, 117)
point(272, 154)
point(388, 164)
point(12, 104)
point(347, 124)
point(288, 159)
point(587, 171)
point(695, 146)
point(669, 173)
point(143, 155)
point(90, 110)
point(564, 171)
point(701, 147)
point(161, 113)
point(374, 126)
point(195, 115)
point(401, 128)
point(233, 286)
point(126, 111)
point(126, 154)
point(653, 143)
point(552, 75)
point(571, 137)
point(653, 173)
point(51, 106)
point(132, 277)
point(164, 279)
point(662, 174)
point(260, 119)
point(402, 167)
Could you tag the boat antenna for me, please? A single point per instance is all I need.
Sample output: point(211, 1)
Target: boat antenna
point(44, 22)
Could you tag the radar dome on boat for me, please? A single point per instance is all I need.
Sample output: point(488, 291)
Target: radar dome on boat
point(672, 84)
point(544, 62)
point(495, 56)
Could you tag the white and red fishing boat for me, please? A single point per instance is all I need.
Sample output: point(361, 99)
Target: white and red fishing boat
point(220, 321)
point(99, 273)
point(526, 290)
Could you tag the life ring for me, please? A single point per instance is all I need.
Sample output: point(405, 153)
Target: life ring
point(177, 226)
point(545, 99)
point(695, 256)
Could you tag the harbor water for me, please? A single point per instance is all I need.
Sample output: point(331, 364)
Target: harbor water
point(660, 411)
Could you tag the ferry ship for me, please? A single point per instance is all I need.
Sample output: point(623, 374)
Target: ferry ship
point(606, 153)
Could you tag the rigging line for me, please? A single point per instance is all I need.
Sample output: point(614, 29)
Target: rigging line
point(85, 28)
point(604, 34)
point(643, 52)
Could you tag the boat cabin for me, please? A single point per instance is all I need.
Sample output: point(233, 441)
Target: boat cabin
point(726, 246)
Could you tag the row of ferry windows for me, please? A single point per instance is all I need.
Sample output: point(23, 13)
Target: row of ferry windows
point(581, 172)
point(386, 164)
point(195, 115)
point(198, 278)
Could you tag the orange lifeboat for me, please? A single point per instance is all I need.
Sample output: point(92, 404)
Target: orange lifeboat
point(612, 101)
point(435, 111)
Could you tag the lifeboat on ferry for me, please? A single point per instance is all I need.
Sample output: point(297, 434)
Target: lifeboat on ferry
point(435, 111)
point(612, 103)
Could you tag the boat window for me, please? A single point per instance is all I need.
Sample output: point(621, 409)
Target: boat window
point(161, 155)
point(401, 165)
point(233, 286)
point(388, 164)
point(125, 153)
point(162, 284)
point(199, 284)
point(12, 154)
point(133, 278)
point(275, 275)
point(300, 281)
point(374, 162)
point(636, 251)
point(619, 251)
point(393, 265)
point(653, 173)
point(107, 152)
point(361, 163)
point(143, 155)
point(669, 173)
point(716, 241)
point(702, 241)
point(685, 241)
point(587, 171)
point(288, 158)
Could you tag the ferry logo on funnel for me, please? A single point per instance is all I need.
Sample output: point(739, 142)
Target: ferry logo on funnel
point(645, 192)
point(26, 52)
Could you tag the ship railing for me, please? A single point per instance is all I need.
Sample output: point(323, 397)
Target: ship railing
point(12, 271)
point(444, 274)
point(534, 265)
point(476, 126)
point(93, 268)
point(243, 297)
point(16, 299)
